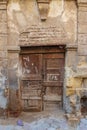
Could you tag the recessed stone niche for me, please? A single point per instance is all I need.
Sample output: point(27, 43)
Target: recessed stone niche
point(43, 7)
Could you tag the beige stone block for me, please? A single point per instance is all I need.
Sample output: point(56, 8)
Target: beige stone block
point(13, 38)
point(1, 47)
point(74, 82)
point(3, 27)
point(82, 28)
point(82, 39)
point(3, 16)
point(71, 58)
point(81, 72)
point(73, 99)
point(72, 85)
point(82, 8)
point(3, 41)
point(20, 19)
point(70, 92)
point(82, 60)
point(13, 49)
point(82, 17)
point(82, 49)
point(82, 1)
point(3, 5)
point(13, 60)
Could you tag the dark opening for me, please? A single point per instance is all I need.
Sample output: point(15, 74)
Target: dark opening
point(84, 105)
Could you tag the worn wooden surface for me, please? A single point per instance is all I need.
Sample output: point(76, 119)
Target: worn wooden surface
point(42, 78)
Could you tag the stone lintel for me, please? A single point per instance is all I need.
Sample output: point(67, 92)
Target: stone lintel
point(71, 47)
point(13, 49)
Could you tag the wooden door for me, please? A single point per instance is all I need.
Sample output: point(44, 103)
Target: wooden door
point(31, 82)
point(53, 68)
point(42, 78)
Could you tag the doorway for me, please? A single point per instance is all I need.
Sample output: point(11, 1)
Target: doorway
point(41, 84)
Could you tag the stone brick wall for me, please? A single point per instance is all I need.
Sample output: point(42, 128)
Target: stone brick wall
point(82, 33)
point(76, 74)
point(82, 28)
point(3, 53)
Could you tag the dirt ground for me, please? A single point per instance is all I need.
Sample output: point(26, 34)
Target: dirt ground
point(30, 117)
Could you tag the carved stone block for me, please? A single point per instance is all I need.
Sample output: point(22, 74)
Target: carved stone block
point(43, 6)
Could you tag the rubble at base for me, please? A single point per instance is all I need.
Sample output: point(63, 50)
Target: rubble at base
point(50, 123)
point(83, 124)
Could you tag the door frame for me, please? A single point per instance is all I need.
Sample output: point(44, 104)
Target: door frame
point(44, 50)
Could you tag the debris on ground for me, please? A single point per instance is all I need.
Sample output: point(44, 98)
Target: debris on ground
point(20, 123)
point(50, 123)
point(83, 124)
point(47, 124)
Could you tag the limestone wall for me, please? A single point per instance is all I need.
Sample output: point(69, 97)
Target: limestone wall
point(76, 74)
point(61, 20)
point(25, 28)
point(3, 54)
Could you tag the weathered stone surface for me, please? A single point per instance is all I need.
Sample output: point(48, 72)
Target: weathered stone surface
point(13, 39)
point(82, 8)
point(82, 39)
point(43, 7)
point(3, 5)
point(71, 59)
point(70, 91)
point(82, 49)
point(3, 51)
point(82, 63)
point(43, 35)
point(82, 17)
point(19, 19)
point(82, 1)
point(82, 28)
point(74, 83)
